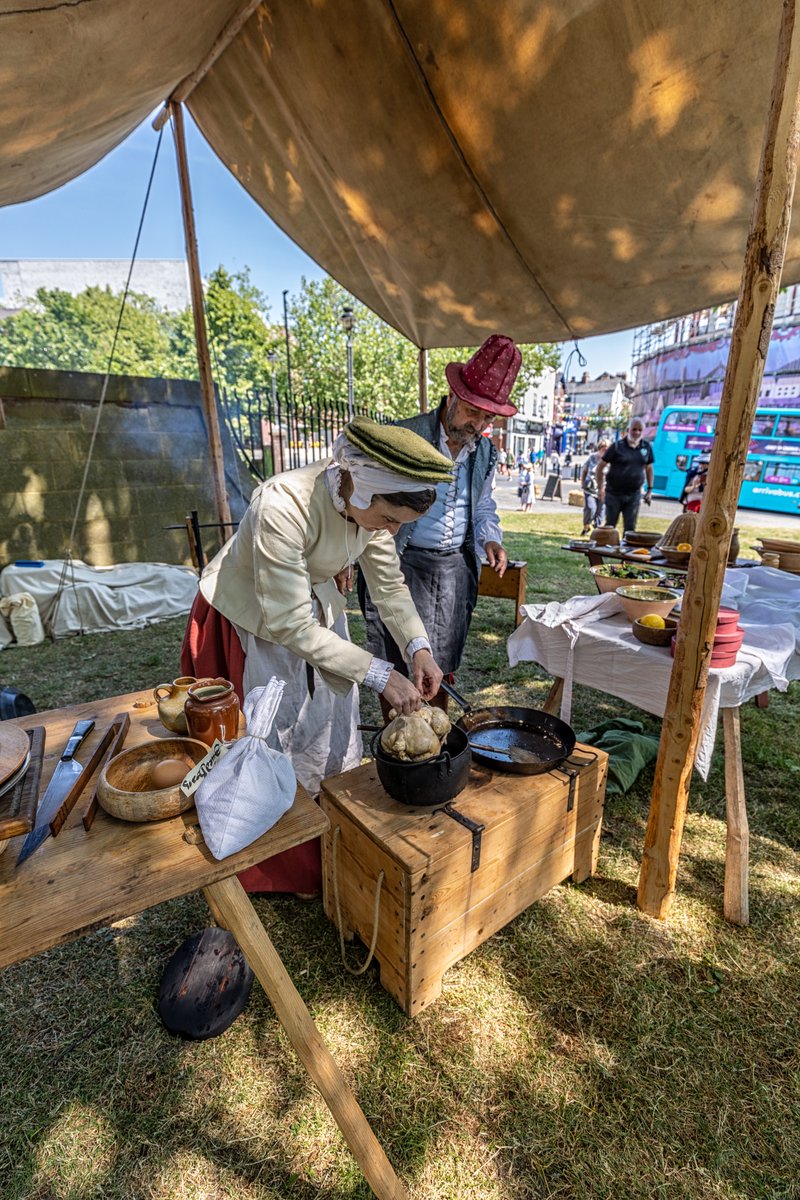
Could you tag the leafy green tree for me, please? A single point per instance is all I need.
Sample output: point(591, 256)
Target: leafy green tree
point(75, 333)
point(384, 362)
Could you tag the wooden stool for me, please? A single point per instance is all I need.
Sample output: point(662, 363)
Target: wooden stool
point(511, 587)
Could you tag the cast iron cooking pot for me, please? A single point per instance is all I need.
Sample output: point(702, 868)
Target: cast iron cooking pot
point(430, 781)
point(547, 738)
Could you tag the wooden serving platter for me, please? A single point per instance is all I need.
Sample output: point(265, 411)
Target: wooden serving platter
point(14, 747)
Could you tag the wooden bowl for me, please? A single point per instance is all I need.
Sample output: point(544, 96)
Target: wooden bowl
point(638, 601)
point(610, 583)
point(640, 537)
point(675, 557)
point(124, 789)
point(655, 637)
point(780, 544)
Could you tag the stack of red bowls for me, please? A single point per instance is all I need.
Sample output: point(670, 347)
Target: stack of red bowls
point(727, 639)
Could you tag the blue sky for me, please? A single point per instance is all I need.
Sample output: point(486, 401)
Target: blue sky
point(96, 216)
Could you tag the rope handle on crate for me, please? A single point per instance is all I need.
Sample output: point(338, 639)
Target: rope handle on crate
point(375, 912)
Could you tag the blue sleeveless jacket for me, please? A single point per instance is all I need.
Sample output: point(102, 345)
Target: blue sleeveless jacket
point(480, 464)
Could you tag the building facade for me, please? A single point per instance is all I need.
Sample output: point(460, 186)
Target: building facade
point(165, 280)
point(683, 361)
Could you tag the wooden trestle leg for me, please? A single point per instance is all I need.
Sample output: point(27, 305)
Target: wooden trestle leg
point(229, 899)
point(736, 904)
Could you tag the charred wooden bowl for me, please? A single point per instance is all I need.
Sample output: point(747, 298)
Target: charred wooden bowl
point(655, 637)
point(125, 788)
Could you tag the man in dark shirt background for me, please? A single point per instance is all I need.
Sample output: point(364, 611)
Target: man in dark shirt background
point(621, 471)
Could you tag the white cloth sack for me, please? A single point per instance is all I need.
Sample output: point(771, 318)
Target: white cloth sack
point(251, 788)
point(23, 616)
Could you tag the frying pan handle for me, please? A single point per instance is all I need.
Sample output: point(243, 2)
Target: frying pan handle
point(371, 728)
point(450, 691)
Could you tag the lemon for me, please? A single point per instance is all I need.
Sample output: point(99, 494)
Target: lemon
point(685, 547)
point(653, 621)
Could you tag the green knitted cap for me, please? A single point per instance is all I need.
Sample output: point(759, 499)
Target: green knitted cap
point(400, 450)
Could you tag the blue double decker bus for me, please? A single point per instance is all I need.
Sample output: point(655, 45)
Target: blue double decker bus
point(772, 471)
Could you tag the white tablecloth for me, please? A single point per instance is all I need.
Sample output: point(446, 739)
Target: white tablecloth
point(589, 639)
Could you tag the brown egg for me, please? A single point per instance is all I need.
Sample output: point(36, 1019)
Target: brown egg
point(168, 773)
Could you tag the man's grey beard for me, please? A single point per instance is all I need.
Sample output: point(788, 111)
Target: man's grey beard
point(461, 435)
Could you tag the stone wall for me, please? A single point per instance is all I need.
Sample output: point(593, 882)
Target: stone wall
point(150, 467)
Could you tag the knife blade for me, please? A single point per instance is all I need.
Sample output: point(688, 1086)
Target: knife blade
point(67, 771)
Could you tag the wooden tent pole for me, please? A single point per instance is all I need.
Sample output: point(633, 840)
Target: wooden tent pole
point(761, 274)
point(185, 88)
point(422, 366)
point(201, 336)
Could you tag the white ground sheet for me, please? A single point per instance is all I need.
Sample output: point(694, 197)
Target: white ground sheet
point(102, 599)
point(588, 640)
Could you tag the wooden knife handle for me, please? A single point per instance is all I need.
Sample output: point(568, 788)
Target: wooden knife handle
point(90, 766)
point(122, 722)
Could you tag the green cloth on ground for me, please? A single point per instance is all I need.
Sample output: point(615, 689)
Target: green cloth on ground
point(400, 450)
point(628, 747)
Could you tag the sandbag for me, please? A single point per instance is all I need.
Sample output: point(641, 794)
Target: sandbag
point(23, 616)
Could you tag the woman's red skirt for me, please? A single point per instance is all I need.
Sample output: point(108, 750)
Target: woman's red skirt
point(211, 647)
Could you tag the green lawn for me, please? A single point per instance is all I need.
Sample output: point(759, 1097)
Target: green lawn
point(585, 1052)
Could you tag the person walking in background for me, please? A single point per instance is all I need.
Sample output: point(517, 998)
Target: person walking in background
point(593, 512)
point(621, 471)
point(525, 489)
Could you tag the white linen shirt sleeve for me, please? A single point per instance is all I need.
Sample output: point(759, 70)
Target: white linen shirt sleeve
point(485, 518)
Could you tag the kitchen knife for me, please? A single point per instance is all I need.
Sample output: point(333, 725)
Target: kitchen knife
point(67, 771)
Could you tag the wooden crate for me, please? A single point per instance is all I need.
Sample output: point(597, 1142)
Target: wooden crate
point(434, 908)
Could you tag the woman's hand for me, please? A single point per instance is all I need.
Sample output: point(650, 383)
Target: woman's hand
point(426, 673)
point(401, 694)
point(344, 580)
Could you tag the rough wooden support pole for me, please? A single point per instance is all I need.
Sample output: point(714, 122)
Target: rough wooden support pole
point(736, 906)
point(230, 905)
point(423, 380)
point(201, 335)
point(185, 88)
point(761, 275)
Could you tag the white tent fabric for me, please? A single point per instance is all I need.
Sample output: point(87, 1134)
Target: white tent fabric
point(546, 169)
point(102, 599)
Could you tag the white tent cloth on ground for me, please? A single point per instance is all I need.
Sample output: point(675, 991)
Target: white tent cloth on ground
point(102, 599)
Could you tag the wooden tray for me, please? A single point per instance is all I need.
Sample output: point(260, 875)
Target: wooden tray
point(14, 747)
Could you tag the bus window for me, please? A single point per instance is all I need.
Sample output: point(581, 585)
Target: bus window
point(788, 427)
point(708, 423)
point(684, 422)
point(752, 471)
point(782, 472)
point(762, 426)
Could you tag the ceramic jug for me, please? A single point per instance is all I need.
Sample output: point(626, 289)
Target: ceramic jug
point(212, 710)
point(733, 552)
point(171, 702)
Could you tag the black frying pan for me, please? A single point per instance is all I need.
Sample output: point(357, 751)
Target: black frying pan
point(545, 739)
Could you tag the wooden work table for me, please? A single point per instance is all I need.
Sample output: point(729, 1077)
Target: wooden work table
point(81, 880)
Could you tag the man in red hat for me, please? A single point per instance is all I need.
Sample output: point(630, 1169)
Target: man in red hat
point(440, 553)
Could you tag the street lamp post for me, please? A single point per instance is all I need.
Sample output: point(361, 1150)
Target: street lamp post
point(272, 358)
point(348, 321)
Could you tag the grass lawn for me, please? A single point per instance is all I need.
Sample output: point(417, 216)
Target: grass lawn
point(584, 1052)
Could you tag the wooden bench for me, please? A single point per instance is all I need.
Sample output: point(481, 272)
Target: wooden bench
point(511, 587)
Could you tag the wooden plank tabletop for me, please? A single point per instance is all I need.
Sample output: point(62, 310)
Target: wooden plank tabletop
point(79, 881)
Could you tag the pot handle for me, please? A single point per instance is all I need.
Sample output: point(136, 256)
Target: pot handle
point(450, 691)
point(445, 766)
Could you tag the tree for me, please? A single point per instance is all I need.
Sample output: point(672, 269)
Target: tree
point(75, 333)
point(384, 362)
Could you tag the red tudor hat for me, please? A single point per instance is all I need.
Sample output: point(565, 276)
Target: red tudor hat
point(487, 379)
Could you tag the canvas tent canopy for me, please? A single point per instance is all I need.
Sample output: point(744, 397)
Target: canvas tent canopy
point(548, 168)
